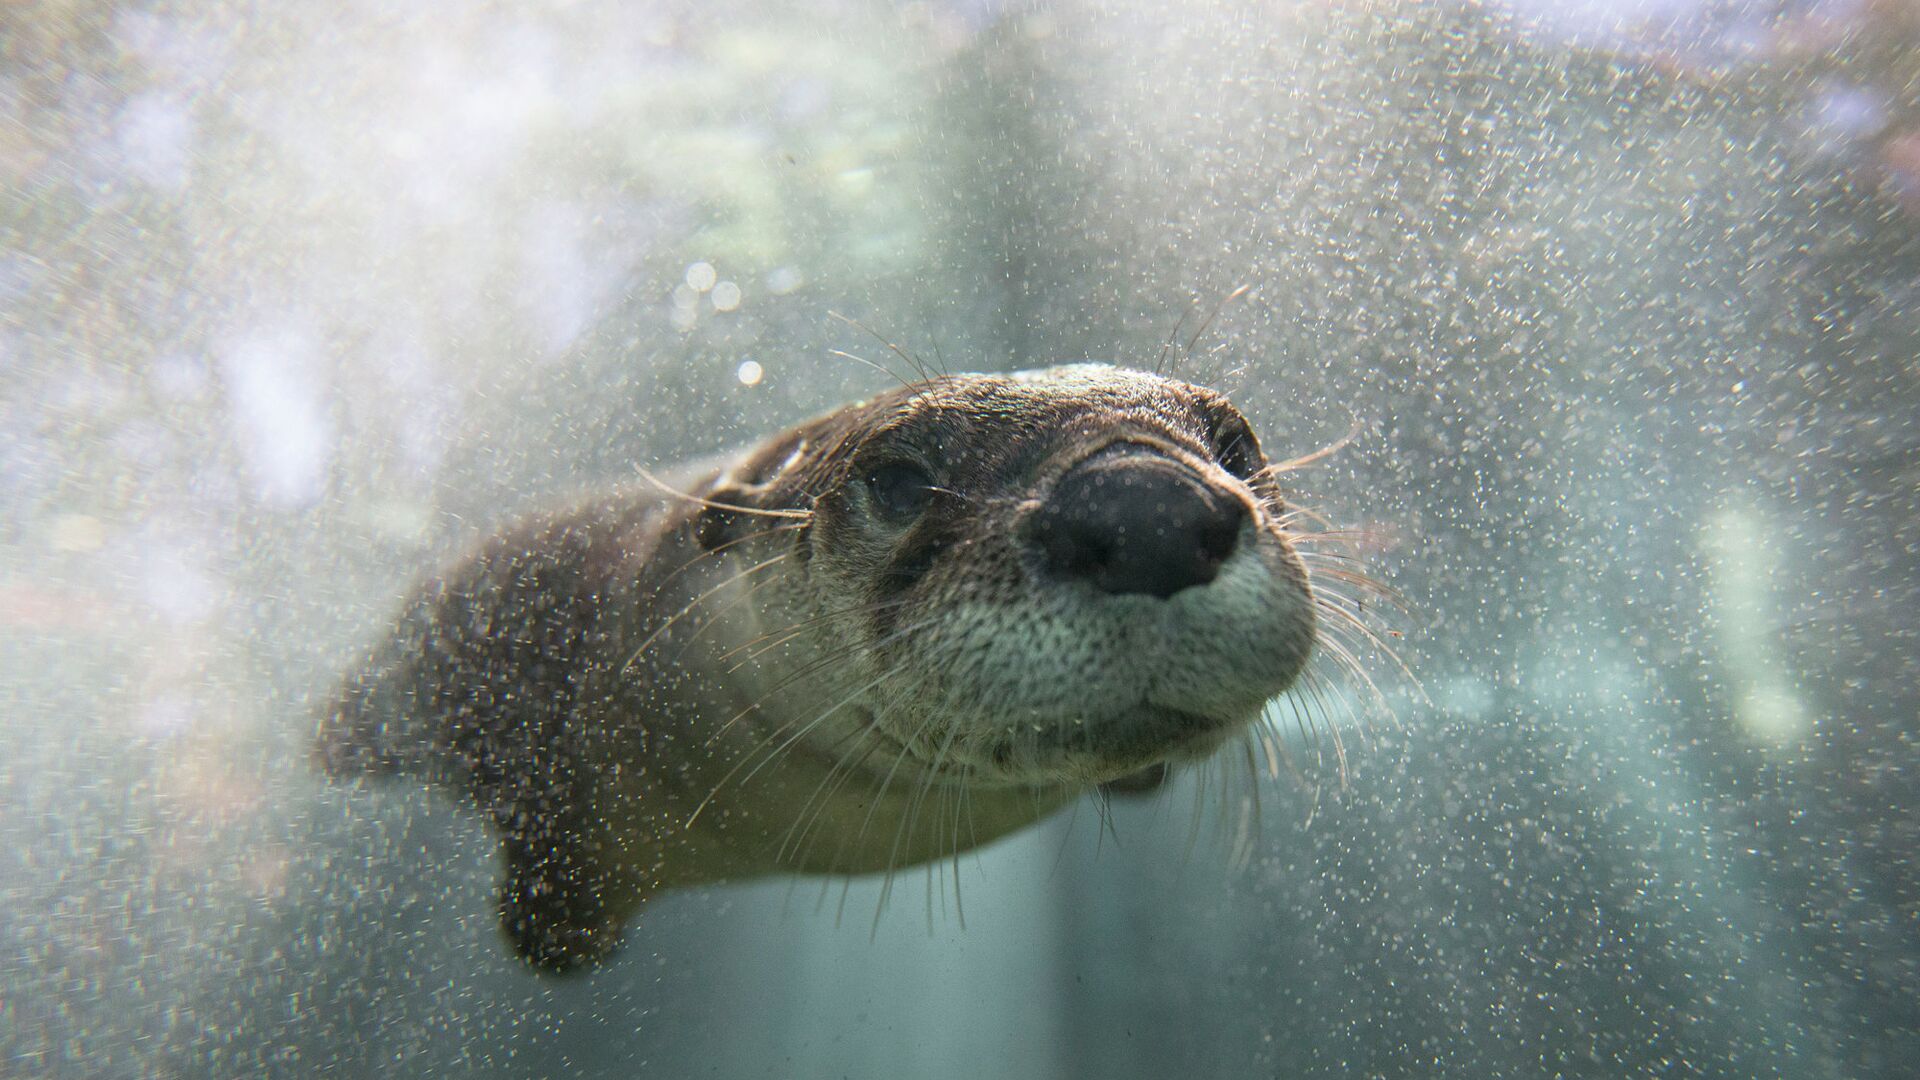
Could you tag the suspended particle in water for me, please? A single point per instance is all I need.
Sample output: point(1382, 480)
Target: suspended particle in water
point(701, 276)
point(726, 296)
point(750, 373)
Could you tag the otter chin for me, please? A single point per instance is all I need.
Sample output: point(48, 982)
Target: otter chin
point(882, 636)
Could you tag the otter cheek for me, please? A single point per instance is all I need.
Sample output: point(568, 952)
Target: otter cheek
point(1043, 657)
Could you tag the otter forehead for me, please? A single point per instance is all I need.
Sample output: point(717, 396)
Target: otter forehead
point(1074, 388)
point(973, 419)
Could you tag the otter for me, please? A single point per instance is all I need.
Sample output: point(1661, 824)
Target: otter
point(881, 637)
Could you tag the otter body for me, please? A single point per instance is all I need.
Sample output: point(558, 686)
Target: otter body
point(881, 637)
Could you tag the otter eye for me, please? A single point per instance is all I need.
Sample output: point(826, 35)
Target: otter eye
point(1237, 450)
point(900, 489)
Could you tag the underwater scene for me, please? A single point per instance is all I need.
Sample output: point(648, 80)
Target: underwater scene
point(960, 538)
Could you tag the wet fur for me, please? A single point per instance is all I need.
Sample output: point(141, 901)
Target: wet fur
point(761, 674)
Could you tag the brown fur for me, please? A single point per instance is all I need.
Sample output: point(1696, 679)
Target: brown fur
point(644, 691)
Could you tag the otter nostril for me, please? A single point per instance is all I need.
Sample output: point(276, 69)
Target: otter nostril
point(1218, 538)
point(1129, 520)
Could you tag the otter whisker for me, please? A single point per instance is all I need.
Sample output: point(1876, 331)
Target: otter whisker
point(1220, 372)
point(1249, 830)
point(963, 803)
point(1066, 835)
point(1308, 542)
point(1323, 688)
point(1311, 717)
point(675, 618)
point(1312, 710)
point(830, 658)
point(794, 630)
point(1345, 657)
point(1339, 639)
point(1313, 684)
point(931, 772)
point(1199, 807)
point(933, 717)
point(931, 863)
point(1273, 744)
point(1309, 732)
point(1317, 569)
point(1159, 362)
point(1285, 520)
point(1344, 636)
point(1343, 552)
point(1108, 821)
point(809, 669)
point(886, 781)
point(945, 806)
point(1253, 773)
point(1103, 820)
point(939, 360)
point(1215, 314)
point(717, 617)
point(1225, 792)
point(798, 837)
point(928, 774)
point(887, 371)
point(733, 508)
point(925, 375)
point(873, 737)
point(1324, 533)
point(1326, 529)
point(862, 608)
point(893, 861)
point(1350, 620)
point(806, 729)
point(1323, 567)
point(803, 672)
point(1327, 451)
point(1313, 807)
point(751, 754)
point(827, 659)
point(720, 550)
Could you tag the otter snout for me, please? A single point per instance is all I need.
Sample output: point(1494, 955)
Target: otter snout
point(1130, 519)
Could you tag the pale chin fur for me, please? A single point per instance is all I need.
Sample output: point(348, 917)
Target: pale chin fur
point(1072, 687)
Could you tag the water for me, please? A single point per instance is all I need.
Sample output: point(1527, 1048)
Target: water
point(1623, 302)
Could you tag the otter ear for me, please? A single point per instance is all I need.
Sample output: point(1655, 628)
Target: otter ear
point(755, 489)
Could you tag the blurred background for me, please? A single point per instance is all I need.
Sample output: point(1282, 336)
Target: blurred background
point(1625, 297)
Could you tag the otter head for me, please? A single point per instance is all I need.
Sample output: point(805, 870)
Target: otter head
point(1071, 576)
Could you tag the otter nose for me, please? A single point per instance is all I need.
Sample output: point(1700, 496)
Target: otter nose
point(1130, 520)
